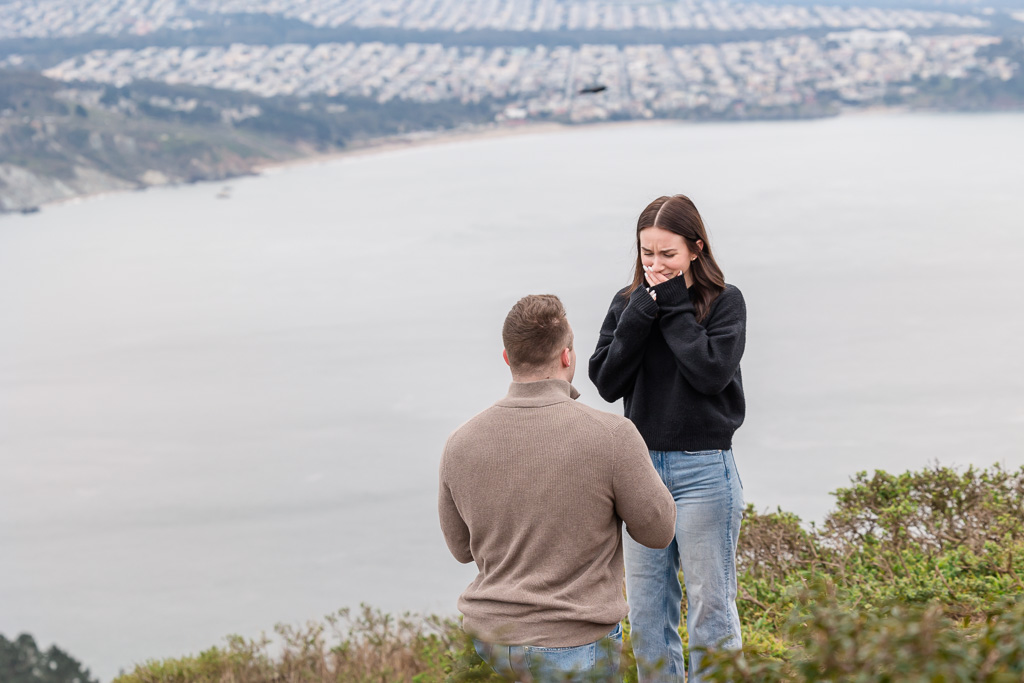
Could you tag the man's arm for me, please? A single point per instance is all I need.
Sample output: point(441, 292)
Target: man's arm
point(641, 499)
point(456, 533)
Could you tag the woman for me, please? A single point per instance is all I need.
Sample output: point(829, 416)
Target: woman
point(670, 347)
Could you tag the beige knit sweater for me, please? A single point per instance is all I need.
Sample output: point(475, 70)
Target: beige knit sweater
point(534, 490)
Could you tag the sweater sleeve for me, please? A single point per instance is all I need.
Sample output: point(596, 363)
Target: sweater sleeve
point(641, 498)
point(454, 528)
point(708, 355)
point(620, 346)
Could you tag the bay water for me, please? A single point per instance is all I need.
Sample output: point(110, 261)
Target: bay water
point(219, 414)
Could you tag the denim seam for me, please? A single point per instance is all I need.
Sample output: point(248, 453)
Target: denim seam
point(733, 540)
point(729, 535)
point(660, 463)
point(672, 576)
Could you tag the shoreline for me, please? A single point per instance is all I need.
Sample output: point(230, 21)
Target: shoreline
point(418, 139)
point(422, 139)
point(365, 147)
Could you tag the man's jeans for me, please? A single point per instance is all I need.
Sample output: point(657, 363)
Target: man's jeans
point(709, 507)
point(596, 662)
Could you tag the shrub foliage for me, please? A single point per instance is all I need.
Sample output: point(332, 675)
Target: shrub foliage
point(912, 577)
point(21, 661)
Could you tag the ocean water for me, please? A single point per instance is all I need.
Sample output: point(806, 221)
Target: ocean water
point(220, 414)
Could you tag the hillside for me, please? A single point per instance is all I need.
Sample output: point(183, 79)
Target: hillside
point(60, 140)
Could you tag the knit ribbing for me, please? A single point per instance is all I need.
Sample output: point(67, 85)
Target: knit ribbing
point(534, 490)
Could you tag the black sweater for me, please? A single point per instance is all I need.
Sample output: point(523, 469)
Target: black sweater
point(680, 379)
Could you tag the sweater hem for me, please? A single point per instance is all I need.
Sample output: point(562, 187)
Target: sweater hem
point(705, 444)
point(561, 634)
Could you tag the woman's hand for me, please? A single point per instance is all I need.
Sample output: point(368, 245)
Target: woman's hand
point(653, 278)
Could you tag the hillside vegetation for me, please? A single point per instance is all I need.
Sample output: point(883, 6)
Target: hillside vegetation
point(21, 661)
point(912, 577)
point(59, 140)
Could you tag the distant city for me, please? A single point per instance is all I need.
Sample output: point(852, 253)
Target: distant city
point(277, 78)
point(852, 54)
point(639, 80)
point(57, 18)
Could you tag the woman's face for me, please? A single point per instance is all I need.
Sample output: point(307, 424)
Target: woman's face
point(664, 252)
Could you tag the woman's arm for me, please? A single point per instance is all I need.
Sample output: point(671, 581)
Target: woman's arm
point(707, 355)
point(620, 346)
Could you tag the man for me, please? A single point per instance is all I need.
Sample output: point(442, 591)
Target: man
point(535, 490)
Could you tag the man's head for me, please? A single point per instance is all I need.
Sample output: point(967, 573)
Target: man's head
point(538, 340)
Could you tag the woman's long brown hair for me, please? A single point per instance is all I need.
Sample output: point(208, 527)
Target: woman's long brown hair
point(678, 214)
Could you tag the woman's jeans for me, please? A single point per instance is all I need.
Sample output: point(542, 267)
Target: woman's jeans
point(596, 662)
point(709, 507)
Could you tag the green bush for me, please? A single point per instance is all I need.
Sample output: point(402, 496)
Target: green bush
point(834, 641)
point(909, 574)
point(956, 538)
point(912, 577)
point(21, 661)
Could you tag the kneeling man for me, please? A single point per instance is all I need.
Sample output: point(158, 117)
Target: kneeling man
point(535, 490)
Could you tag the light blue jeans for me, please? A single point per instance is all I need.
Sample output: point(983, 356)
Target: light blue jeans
point(596, 662)
point(709, 507)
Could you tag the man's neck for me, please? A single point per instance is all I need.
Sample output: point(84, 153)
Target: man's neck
point(540, 377)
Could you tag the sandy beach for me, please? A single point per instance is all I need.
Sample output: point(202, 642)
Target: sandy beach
point(412, 140)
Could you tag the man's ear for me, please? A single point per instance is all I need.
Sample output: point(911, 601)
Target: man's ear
point(566, 357)
point(504, 354)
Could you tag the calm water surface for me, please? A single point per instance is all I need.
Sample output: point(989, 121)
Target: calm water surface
point(216, 415)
